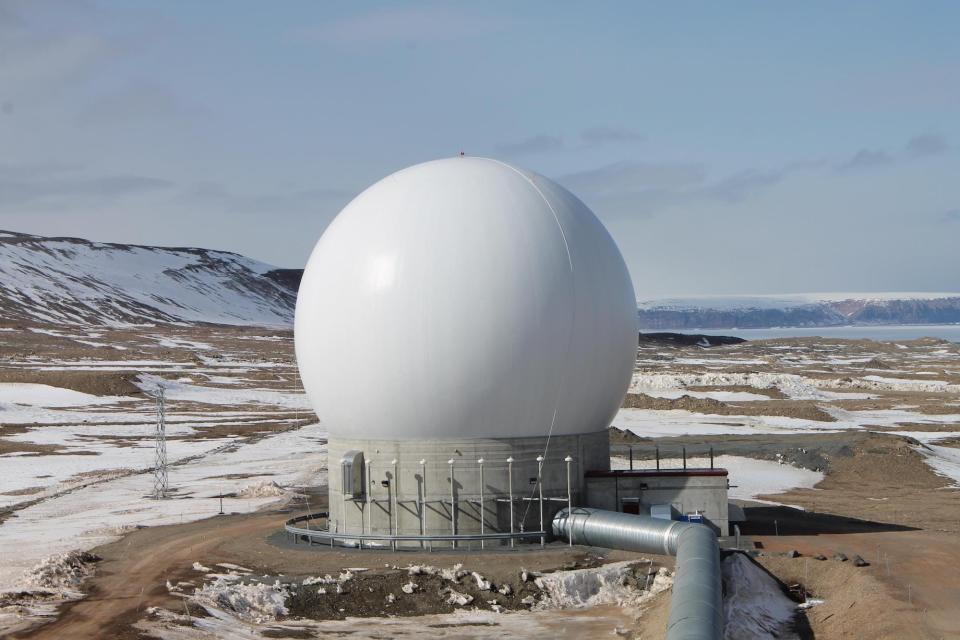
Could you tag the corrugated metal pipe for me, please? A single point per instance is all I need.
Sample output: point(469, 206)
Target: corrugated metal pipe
point(696, 606)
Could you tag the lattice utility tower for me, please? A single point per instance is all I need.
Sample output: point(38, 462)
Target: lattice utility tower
point(160, 486)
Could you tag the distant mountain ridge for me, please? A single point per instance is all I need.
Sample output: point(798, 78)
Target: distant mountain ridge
point(799, 310)
point(76, 281)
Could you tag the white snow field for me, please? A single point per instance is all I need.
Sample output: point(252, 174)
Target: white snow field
point(652, 423)
point(722, 396)
point(852, 377)
point(944, 460)
point(749, 477)
point(101, 433)
point(794, 386)
point(77, 467)
point(99, 512)
point(37, 477)
point(43, 395)
point(176, 390)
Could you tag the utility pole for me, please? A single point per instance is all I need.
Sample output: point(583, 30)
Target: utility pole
point(160, 485)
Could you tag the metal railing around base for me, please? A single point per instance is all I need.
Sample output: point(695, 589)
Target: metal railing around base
point(346, 539)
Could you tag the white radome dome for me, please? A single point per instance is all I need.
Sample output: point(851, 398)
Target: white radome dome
point(465, 298)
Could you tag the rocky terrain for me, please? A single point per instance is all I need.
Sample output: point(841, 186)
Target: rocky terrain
point(833, 447)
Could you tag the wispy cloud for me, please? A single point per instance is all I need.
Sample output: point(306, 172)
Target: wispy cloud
point(38, 60)
point(215, 195)
point(627, 177)
point(644, 189)
point(952, 216)
point(867, 159)
point(541, 143)
point(22, 186)
point(923, 145)
point(599, 136)
point(590, 138)
point(406, 25)
point(739, 186)
point(927, 144)
point(138, 102)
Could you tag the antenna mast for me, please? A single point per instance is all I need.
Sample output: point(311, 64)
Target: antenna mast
point(160, 486)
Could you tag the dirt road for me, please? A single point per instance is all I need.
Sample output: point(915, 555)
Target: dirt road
point(134, 571)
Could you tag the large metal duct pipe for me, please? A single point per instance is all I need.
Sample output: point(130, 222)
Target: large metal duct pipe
point(696, 606)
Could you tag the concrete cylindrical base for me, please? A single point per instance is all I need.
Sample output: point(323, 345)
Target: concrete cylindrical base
point(423, 494)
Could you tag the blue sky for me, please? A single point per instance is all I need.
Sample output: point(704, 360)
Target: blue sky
point(748, 147)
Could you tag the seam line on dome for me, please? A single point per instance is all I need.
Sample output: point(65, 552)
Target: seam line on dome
point(573, 314)
point(553, 211)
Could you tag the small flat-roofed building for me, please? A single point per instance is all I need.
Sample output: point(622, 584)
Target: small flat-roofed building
point(678, 494)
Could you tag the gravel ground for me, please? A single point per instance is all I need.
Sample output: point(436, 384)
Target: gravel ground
point(878, 488)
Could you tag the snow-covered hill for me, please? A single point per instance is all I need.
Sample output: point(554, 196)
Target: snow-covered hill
point(74, 281)
point(799, 310)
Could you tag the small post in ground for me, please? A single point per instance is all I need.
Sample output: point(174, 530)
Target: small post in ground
point(510, 492)
point(394, 487)
point(543, 539)
point(568, 460)
point(480, 462)
point(453, 503)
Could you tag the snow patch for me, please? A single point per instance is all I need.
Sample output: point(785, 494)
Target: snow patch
point(748, 477)
point(84, 516)
point(794, 386)
point(257, 602)
point(455, 597)
point(174, 390)
point(753, 604)
point(881, 383)
point(452, 574)
point(263, 489)
point(607, 584)
point(944, 461)
point(722, 396)
point(62, 574)
point(482, 583)
point(43, 395)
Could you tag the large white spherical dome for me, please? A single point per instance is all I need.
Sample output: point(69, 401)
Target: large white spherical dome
point(465, 298)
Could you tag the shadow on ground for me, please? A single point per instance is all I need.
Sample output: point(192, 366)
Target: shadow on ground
point(787, 521)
